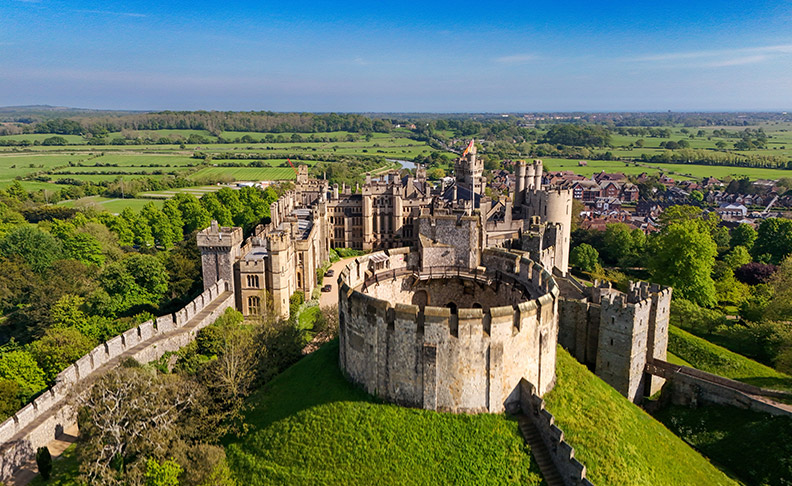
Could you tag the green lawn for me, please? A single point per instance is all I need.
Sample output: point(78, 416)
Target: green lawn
point(709, 357)
point(310, 426)
point(754, 447)
point(618, 442)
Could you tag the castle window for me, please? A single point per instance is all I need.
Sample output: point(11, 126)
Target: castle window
point(254, 306)
point(253, 281)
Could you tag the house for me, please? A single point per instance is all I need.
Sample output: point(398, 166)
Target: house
point(732, 211)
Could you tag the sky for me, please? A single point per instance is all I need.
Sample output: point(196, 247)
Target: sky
point(381, 56)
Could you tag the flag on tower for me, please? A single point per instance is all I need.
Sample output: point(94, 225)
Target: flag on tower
point(469, 147)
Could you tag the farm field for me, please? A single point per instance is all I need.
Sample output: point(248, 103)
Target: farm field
point(248, 173)
point(678, 171)
point(113, 205)
point(165, 194)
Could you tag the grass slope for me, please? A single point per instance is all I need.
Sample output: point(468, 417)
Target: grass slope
point(310, 426)
point(709, 357)
point(753, 446)
point(619, 443)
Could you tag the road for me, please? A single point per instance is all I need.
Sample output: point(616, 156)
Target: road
point(329, 299)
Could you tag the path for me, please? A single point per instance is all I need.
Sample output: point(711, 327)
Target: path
point(539, 451)
point(329, 299)
point(26, 473)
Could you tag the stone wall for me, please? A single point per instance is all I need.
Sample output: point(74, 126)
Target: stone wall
point(690, 387)
point(572, 471)
point(471, 361)
point(41, 421)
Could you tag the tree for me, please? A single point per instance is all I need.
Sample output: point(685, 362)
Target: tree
point(20, 367)
point(774, 240)
point(696, 196)
point(780, 307)
point(216, 210)
point(37, 248)
point(230, 199)
point(10, 400)
point(585, 257)
point(44, 462)
point(737, 257)
point(162, 230)
point(683, 255)
point(755, 273)
point(129, 414)
point(195, 216)
point(623, 245)
point(743, 235)
point(165, 474)
point(138, 280)
point(58, 348)
point(84, 248)
point(679, 213)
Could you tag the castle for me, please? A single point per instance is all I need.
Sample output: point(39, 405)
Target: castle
point(463, 294)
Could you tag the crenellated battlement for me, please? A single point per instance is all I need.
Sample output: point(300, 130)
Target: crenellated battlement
point(399, 345)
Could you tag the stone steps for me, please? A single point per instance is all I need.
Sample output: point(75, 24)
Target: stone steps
point(539, 451)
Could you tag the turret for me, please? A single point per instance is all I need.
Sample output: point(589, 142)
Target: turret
point(537, 174)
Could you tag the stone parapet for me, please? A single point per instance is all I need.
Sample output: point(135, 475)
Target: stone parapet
point(50, 413)
point(467, 360)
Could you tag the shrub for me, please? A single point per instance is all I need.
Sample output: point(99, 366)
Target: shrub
point(44, 462)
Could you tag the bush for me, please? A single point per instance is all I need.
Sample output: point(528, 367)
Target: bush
point(44, 462)
point(694, 318)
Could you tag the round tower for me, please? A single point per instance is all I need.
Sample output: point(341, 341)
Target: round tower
point(529, 178)
point(558, 209)
point(537, 168)
point(519, 188)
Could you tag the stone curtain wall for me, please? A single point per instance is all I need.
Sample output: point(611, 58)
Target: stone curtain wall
point(689, 386)
point(471, 361)
point(572, 471)
point(39, 422)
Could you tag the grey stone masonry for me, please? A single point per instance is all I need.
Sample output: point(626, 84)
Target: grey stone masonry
point(41, 421)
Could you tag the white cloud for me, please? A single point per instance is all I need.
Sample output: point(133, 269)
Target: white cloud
point(107, 12)
point(739, 61)
point(516, 59)
point(718, 58)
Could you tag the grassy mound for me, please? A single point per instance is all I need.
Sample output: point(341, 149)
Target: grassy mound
point(310, 426)
point(753, 446)
point(709, 357)
point(618, 442)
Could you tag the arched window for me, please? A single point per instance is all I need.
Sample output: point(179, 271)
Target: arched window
point(453, 307)
point(477, 306)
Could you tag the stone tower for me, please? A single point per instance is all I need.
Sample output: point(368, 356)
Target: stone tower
point(219, 251)
point(468, 170)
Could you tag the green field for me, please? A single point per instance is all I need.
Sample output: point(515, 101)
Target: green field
point(310, 426)
point(249, 173)
point(675, 171)
point(114, 205)
point(618, 442)
point(709, 357)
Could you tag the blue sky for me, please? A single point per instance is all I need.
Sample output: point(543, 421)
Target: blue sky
point(397, 56)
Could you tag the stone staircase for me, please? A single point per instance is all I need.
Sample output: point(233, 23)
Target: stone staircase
point(539, 451)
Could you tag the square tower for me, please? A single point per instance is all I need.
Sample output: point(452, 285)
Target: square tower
point(219, 252)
